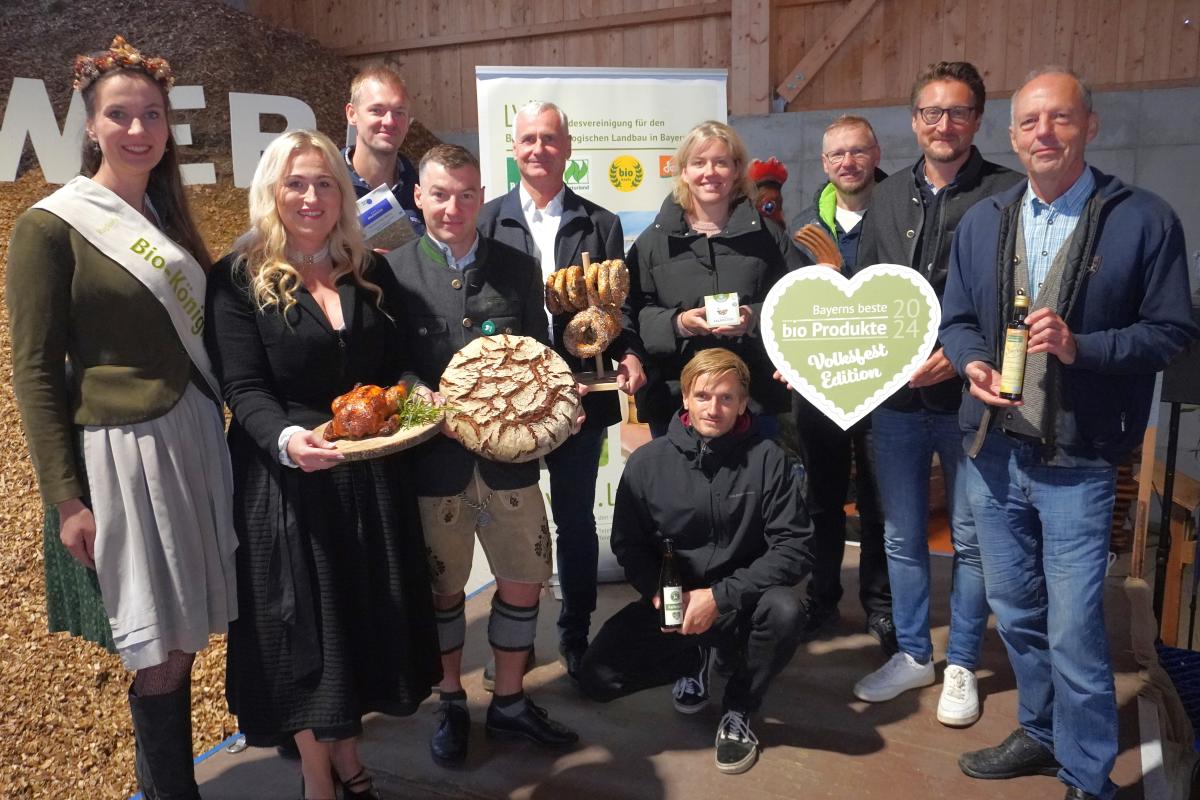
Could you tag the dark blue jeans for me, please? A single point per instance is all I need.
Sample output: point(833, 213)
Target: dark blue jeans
point(1044, 535)
point(573, 468)
point(903, 444)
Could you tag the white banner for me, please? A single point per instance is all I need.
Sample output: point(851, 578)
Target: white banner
point(625, 126)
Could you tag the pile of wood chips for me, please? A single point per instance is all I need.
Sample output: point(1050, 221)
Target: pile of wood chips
point(64, 721)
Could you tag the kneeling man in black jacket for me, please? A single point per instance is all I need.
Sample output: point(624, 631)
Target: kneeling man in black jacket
point(732, 505)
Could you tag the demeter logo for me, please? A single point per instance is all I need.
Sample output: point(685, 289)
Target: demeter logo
point(666, 166)
point(576, 174)
point(626, 173)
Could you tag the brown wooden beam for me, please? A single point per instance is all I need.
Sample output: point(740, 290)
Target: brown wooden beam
point(803, 73)
point(715, 8)
point(750, 57)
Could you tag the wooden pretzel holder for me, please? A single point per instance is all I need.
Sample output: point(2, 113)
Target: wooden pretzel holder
point(600, 380)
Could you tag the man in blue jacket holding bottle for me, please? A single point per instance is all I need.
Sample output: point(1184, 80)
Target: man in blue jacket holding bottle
point(1105, 267)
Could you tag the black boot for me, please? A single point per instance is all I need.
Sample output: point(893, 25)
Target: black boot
point(162, 729)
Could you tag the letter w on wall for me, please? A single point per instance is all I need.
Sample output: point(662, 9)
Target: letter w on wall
point(29, 113)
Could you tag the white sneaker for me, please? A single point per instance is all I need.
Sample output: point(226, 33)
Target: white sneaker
point(959, 705)
point(898, 675)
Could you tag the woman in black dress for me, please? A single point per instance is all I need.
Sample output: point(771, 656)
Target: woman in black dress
point(336, 619)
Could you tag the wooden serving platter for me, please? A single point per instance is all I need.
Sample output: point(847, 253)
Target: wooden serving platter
point(379, 446)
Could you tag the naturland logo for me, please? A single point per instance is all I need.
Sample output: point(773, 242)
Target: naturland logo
point(626, 173)
point(576, 174)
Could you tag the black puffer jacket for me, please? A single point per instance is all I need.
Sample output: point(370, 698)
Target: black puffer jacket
point(733, 506)
point(671, 269)
point(897, 231)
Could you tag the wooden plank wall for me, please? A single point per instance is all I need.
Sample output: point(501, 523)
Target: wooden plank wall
point(1115, 44)
point(436, 44)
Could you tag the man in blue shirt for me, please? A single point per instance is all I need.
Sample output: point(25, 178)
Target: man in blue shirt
point(379, 110)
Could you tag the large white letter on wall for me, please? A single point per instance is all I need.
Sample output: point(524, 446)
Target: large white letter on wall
point(29, 113)
point(246, 135)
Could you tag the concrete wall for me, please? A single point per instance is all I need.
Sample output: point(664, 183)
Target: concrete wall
point(1150, 138)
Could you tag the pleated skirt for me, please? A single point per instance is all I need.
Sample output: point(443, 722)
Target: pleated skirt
point(162, 493)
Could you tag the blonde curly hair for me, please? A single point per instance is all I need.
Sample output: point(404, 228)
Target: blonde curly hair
point(272, 280)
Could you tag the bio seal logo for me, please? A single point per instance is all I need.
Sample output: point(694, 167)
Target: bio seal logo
point(626, 173)
point(576, 174)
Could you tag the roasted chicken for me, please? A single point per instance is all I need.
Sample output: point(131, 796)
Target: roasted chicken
point(366, 411)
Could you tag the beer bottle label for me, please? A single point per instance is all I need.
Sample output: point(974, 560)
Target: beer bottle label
point(1012, 370)
point(672, 605)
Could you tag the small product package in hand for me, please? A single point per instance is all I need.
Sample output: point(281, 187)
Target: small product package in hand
point(722, 310)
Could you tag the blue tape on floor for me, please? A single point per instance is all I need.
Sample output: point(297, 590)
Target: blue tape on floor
point(212, 751)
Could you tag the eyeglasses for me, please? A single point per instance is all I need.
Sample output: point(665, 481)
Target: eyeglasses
point(838, 156)
point(932, 115)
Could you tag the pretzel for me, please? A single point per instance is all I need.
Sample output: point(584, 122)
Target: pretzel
point(591, 277)
point(618, 282)
point(817, 241)
point(560, 290)
point(590, 331)
point(552, 304)
point(576, 288)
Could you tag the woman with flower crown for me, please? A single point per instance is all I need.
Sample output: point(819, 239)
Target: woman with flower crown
point(105, 287)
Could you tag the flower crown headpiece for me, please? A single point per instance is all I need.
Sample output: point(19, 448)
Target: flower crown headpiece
point(121, 55)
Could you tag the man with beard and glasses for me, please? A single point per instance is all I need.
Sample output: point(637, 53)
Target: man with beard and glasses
point(850, 157)
point(912, 221)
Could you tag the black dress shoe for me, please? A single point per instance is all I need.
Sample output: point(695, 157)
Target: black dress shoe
point(572, 655)
point(1020, 754)
point(449, 743)
point(529, 724)
point(1075, 793)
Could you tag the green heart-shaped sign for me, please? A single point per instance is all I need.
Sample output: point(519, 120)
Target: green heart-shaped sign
point(847, 345)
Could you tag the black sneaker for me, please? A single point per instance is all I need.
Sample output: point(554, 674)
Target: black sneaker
point(737, 746)
point(691, 691)
point(883, 630)
point(819, 619)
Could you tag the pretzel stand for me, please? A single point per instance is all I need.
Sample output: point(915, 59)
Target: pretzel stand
point(586, 331)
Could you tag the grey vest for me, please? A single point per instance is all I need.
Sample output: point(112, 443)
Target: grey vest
point(1028, 419)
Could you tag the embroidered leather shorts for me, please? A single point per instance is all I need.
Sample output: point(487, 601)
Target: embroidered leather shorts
point(511, 526)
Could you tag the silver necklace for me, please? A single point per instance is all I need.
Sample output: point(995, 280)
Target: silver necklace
point(300, 259)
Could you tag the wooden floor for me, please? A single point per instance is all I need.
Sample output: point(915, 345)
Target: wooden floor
point(818, 740)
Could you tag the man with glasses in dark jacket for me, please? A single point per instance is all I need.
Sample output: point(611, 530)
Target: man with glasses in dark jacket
point(850, 156)
point(913, 217)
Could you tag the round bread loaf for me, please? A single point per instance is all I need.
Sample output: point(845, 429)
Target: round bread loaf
point(509, 398)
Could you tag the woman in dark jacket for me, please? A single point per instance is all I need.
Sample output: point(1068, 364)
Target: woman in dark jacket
point(708, 239)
